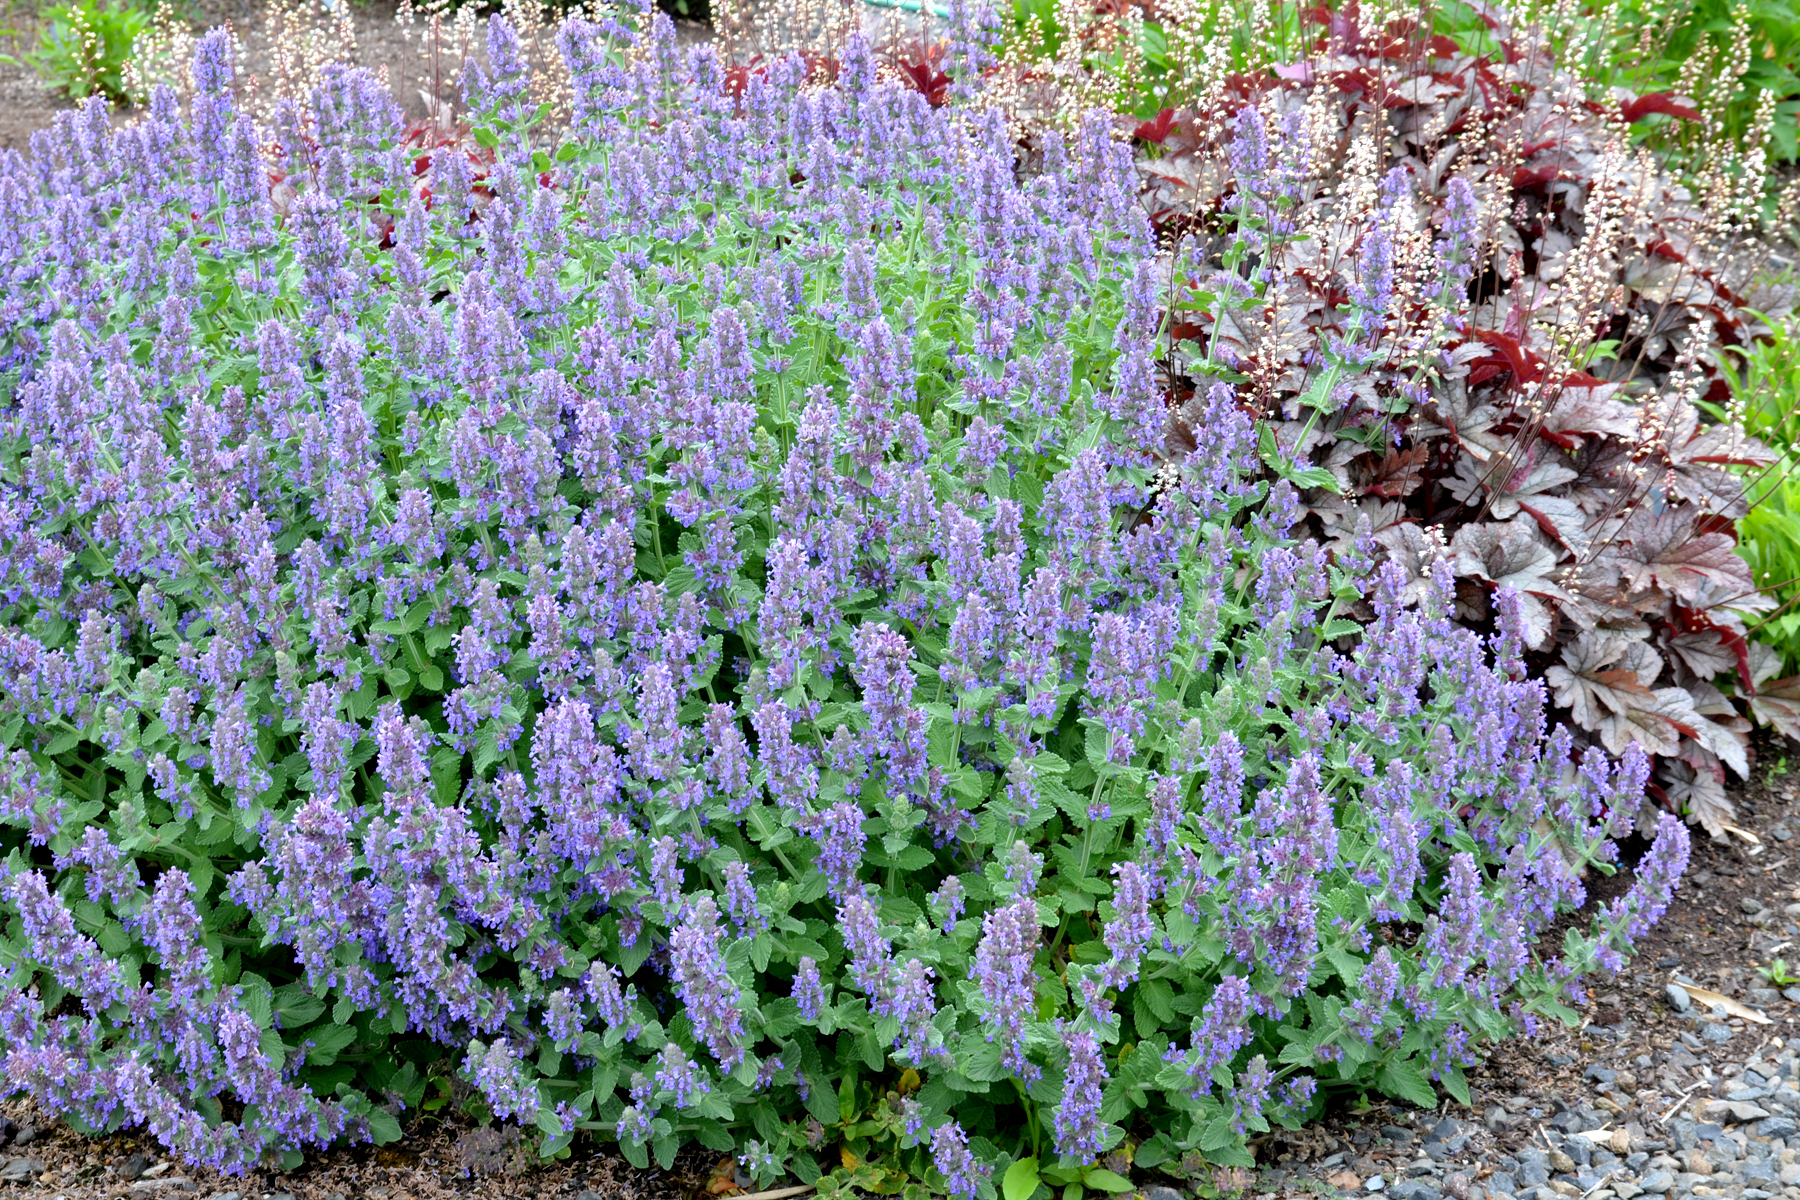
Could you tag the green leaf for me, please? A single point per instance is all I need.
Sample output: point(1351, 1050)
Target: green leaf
point(847, 1096)
point(1403, 1080)
point(384, 1127)
point(1106, 1181)
point(1021, 1180)
point(549, 1122)
point(1455, 1084)
point(296, 1006)
point(328, 1041)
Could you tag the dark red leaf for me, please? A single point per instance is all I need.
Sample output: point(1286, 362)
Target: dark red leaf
point(1156, 130)
point(1526, 367)
point(1656, 102)
point(1532, 179)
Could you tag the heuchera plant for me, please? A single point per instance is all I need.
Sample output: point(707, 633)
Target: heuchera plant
point(716, 648)
point(1533, 405)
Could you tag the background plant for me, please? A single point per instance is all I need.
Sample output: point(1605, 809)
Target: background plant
point(1766, 398)
point(1537, 414)
point(82, 49)
point(720, 644)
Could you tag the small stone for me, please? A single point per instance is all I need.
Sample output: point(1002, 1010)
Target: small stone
point(134, 1166)
point(1349, 1181)
point(1658, 1182)
point(1750, 904)
point(1620, 1141)
point(1792, 994)
point(1533, 1174)
point(1781, 832)
point(1601, 1075)
point(281, 1196)
point(1697, 1163)
point(235, 1196)
point(27, 1134)
point(19, 1170)
point(1457, 1186)
point(1778, 1127)
point(1158, 1192)
point(1625, 1189)
point(1790, 1174)
point(1764, 996)
point(162, 1186)
point(1561, 1162)
point(1733, 1110)
point(1678, 997)
point(1396, 1133)
point(1375, 1184)
point(1712, 1031)
point(1414, 1189)
point(598, 1196)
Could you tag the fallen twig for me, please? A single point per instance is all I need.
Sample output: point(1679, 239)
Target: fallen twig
point(1682, 1099)
point(778, 1193)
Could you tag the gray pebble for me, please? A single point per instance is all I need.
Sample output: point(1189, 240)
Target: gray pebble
point(1750, 904)
point(1778, 1127)
point(1764, 996)
point(1792, 994)
point(1150, 1193)
point(1658, 1182)
point(1172, 1192)
point(1712, 1031)
point(27, 1134)
point(1534, 1174)
point(18, 1170)
point(1375, 1183)
point(1780, 833)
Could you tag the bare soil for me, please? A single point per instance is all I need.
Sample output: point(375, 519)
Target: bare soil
point(27, 104)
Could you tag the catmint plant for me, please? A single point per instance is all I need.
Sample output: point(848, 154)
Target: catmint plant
point(717, 639)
